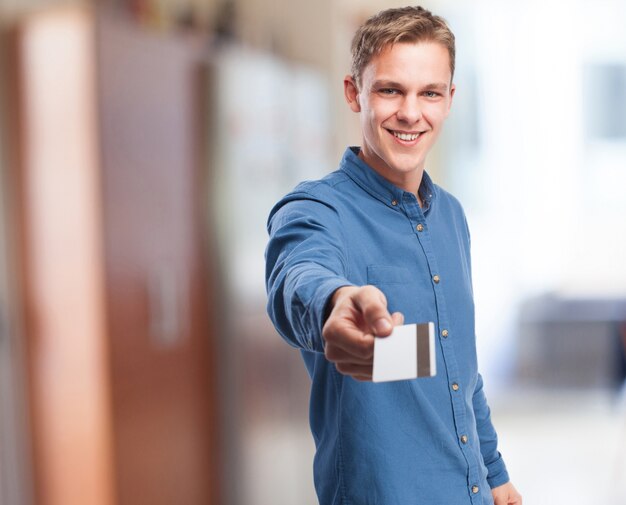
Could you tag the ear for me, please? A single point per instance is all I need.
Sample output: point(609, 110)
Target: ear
point(351, 92)
point(452, 90)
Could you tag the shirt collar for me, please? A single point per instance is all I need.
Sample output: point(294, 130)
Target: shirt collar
point(379, 187)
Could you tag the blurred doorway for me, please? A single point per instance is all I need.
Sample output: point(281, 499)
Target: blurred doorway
point(14, 480)
point(114, 300)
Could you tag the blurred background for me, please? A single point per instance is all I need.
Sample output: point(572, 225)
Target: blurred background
point(142, 145)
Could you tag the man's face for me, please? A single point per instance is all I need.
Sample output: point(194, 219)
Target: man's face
point(404, 98)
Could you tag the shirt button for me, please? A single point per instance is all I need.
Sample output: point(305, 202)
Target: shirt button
point(436, 279)
point(475, 489)
point(420, 227)
point(464, 439)
point(455, 386)
point(394, 202)
point(444, 333)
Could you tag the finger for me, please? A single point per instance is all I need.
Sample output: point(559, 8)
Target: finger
point(343, 334)
point(336, 354)
point(397, 318)
point(373, 305)
point(360, 372)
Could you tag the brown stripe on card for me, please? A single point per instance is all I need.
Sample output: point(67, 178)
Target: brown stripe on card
point(423, 350)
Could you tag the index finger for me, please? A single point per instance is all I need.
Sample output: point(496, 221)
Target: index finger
point(344, 333)
point(372, 304)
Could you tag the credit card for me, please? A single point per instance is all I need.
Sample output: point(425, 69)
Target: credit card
point(408, 353)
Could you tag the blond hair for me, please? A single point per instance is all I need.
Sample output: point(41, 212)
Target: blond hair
point(406, 24)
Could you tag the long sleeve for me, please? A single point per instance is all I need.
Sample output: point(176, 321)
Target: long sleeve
point(305, 264)
point(497, 473)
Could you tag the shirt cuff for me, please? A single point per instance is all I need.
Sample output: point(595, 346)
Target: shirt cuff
point(316, 313)
point(497, 473)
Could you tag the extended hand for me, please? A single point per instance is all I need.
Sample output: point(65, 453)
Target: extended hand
point(358, 314)
point(506, 495)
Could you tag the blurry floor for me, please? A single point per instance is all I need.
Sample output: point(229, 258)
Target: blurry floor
point(561, 448)
point(565, 448)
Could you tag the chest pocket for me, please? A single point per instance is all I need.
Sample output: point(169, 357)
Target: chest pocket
point(405, 291)
point(381, 274)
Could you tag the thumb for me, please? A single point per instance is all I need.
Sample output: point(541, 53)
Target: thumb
point(397, 318)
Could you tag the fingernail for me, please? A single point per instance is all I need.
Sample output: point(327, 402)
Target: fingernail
point(382, 326)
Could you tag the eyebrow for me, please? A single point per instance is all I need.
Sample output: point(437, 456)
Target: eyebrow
point(439, 86)
point(386, 84)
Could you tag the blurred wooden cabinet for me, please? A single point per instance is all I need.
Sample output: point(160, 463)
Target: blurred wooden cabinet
point(117, 284)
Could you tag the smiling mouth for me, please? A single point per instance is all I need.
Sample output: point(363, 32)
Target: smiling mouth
point(407, 137)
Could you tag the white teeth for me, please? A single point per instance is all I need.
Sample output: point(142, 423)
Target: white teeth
point(406, 136)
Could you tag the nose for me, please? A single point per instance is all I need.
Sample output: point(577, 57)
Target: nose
point(410, 111)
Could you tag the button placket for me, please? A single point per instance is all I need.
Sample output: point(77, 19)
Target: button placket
point(447, 345)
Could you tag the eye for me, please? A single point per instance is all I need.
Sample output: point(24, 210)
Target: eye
point(431, 94)
point(388, 91)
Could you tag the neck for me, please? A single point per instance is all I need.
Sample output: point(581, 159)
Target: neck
point(409, 182)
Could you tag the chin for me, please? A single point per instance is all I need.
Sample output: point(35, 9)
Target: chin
point(406, 167)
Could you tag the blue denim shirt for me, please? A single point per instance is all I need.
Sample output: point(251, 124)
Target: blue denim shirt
point(428, 441)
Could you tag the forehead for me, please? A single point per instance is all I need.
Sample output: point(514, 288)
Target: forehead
point(410, 62)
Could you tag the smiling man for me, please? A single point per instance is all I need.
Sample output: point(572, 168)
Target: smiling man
point(372, 245)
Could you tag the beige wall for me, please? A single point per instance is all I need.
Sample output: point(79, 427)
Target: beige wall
point(313, 33)
point(10, 10)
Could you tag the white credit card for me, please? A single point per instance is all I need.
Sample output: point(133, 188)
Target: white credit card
point(408, 353)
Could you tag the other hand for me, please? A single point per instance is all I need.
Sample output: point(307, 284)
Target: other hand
point(506, 495)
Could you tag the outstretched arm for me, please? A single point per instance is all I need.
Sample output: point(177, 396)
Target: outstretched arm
point(310, 300)
point(305, 265)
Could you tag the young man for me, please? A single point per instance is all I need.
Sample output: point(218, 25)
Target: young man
point(372, 245)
